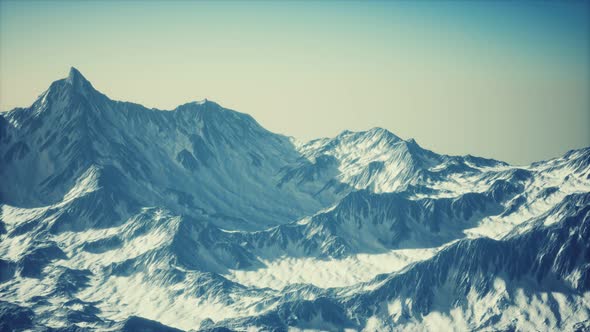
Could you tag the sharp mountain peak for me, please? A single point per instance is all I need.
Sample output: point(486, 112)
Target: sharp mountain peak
point(78, 81)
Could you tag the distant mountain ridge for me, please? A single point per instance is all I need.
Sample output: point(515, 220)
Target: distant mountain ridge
point(114, 216)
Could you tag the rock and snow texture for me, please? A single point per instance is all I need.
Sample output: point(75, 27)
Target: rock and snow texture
point(118, 217)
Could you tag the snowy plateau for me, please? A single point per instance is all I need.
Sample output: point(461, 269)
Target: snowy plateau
point(116, 217)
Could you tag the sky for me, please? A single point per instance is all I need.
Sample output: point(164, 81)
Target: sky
point(503, 80)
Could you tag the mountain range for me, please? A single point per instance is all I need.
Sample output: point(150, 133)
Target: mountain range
point(118, 217)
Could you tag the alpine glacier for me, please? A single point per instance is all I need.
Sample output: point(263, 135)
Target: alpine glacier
point(116, 217)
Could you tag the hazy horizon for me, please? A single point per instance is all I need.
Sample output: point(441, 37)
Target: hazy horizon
point(498, 80)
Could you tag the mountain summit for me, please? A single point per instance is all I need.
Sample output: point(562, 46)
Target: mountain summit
point(115, 217)
point(76, 78)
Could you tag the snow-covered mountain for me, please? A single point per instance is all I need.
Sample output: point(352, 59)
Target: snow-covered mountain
point(119, 217)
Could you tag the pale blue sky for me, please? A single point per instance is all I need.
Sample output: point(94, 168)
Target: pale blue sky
point(496, 79)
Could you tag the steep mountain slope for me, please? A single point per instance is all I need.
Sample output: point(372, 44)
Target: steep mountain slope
point(376, 160)
point(538, 280)
point(114, 216)
point(196, 157)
